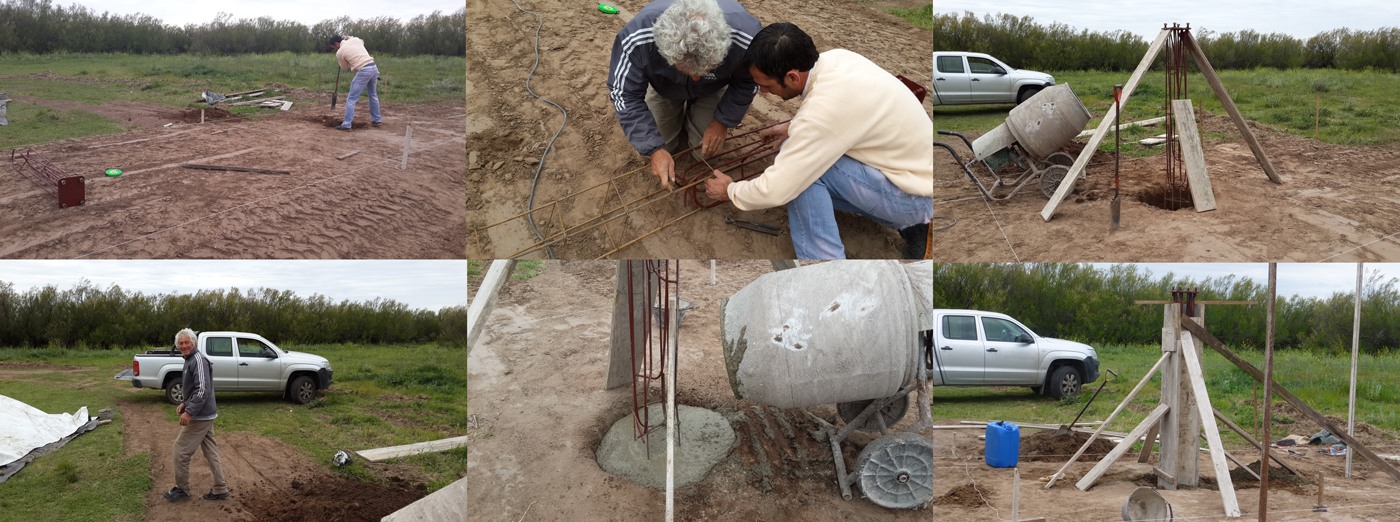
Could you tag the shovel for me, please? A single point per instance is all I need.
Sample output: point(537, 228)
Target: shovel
point(1116, 205)
point(1066, 430)
point(337, 91)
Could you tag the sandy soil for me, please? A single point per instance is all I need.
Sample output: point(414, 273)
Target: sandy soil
point(539, 411)
point(270, 479)
point(360, 207)
point(506, 125)
point(1337, 203)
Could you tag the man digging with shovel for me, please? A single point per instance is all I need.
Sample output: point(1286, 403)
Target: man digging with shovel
point(350, 53)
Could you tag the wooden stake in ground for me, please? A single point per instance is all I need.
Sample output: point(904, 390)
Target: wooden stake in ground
point(1317, 116)
point(671, 349)
point(1016, 494)
point(1268, 394)
point(1355, 345)
point(1319, 507)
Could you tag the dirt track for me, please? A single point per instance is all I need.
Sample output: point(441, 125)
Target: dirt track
point(1337, 203)
point(539, 411)
point(505, 124)
point(360, 207)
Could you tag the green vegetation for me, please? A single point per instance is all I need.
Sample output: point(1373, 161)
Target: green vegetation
point(1321, 381)
point(919, 16)
point(526, 269)
point(1357, 107)
point(1080, 302)
point(86, 316)
point(1022, 43)
point(30, 124)
point(40, 27)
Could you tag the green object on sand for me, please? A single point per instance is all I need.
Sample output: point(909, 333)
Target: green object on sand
point(114, 172)
point(607, 8)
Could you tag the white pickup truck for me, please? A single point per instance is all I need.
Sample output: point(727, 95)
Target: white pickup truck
point(961, 78)
point(241, 362)
point(974, 348)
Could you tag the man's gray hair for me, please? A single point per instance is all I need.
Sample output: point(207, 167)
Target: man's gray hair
point(194, 337)
point(692, 35)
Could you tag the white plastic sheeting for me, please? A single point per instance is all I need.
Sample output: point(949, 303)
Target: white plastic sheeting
point(24, 428)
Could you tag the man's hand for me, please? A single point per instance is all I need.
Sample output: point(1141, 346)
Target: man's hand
point(180, 409)
point(717, 188)
point(714, 138)
point(778, 133)
point(185, 419)
point(663, 167)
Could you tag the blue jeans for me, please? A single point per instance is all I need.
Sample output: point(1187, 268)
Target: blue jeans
point(367, 77)
point(854, 187)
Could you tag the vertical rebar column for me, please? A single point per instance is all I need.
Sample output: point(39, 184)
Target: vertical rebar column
point(1175, 64)
point(659, 289)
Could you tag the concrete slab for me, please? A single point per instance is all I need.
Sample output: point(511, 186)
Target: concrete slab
point(704, 438)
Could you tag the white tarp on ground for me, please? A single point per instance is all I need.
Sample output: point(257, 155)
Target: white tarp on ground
point(24, 428)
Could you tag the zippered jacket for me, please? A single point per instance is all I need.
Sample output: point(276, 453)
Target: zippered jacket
point(198, 381)
point(636, 63)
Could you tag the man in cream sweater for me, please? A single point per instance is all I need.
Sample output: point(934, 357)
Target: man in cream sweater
point(860, 142)
point(350, 53)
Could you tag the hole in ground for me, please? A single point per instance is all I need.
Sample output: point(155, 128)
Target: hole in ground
point(1161, 196)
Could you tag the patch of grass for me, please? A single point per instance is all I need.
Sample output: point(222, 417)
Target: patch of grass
point(526, 269)
point(32, 124)
point(919, 16)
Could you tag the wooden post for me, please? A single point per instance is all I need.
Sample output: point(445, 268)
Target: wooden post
point(1067, 184)
point(1179, 452)
point(485, 301)
point(620, 361)
point(1197, 381)
point(1016, 494)
point(1320, 507)
point(1355, 347)
point(1209, 72)
point(671, 349)
point(1268, 394)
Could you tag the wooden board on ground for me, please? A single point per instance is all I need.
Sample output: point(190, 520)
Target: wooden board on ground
point(378, 454)
point(1193, 154)
point(233, 168)
point(1067, 185)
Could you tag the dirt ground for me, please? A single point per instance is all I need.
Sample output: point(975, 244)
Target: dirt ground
point(510, 127)
point(1336, 203)
point(359, 207)
point(539, 410)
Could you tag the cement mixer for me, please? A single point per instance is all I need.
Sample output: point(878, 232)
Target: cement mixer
point(1033, 131)
point(857, 334)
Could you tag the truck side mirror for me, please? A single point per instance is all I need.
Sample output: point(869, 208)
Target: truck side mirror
point(998, 70)
point(1026, 338)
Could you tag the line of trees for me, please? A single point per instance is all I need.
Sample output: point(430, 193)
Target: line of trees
point(1096, 305)
point(86, 316)
point(40, 27)
point(1022, 43)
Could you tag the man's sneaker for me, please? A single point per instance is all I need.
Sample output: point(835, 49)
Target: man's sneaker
point(376, 124)
point(211, 496)
point(176, 493)
point(346, 129)
point(916, 241)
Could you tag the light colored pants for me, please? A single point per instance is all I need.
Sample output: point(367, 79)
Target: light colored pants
point(368, 77)
point(198, 435)
point(854, 187)
point(694, 115)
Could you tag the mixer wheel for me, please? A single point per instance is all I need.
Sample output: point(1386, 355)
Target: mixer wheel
point(1050, 179)
point(896, 471)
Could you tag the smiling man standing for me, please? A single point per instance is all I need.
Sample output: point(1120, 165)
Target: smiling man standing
point(197, 414)
point(860, 142)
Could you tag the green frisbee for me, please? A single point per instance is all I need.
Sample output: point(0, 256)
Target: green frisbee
point(607, 8)
point(114, 172)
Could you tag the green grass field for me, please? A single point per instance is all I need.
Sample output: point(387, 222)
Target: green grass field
point(1358, 108)
point(382, 396)
point(1321, 381)
point(177, 80)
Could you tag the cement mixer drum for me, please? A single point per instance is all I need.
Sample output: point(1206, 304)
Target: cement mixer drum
point(1047, 121)
point(896, 471)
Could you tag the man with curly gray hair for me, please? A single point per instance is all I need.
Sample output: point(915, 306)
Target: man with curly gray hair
point(678, 66)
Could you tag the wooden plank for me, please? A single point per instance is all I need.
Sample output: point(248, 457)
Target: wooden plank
point(1148, 442)
point(1145, 377)
point(1250, 439)
point(1067, 184)
point(1212, 432)
point(1121, 448)
point(1143, 302)
point(232, 168)
point(1178, 453)
point(259, 100)
point(1293, 400)
point(1164, 475)
point(1209, 72)
point(348, 154)
point(620, 362)
point(378, 454)
point(449, 503)
point(1193, 155)
point(1141, 123)
point(485, 299)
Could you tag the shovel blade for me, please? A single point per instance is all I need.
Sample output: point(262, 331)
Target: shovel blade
point(1115, 207)
point(1062, 431)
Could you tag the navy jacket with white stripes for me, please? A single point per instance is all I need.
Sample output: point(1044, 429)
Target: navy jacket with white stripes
point(197, 380)
point(636, 63)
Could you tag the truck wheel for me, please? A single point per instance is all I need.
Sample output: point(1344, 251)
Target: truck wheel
point(1064, 382)
point(175, 392)
point(1026, 94)
point(302, 391)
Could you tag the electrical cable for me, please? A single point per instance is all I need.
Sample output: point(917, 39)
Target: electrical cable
point(953, 219)
point(533, 184)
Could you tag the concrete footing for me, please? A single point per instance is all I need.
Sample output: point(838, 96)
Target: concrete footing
point(704, 438)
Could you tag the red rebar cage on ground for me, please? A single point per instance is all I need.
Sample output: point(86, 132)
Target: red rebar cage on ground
point(659, 292)
point(70, 190)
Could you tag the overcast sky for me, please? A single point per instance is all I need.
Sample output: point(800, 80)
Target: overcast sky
point(1303, 279)
point(309, 12)
point(1299, 19)
point(429, 285)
